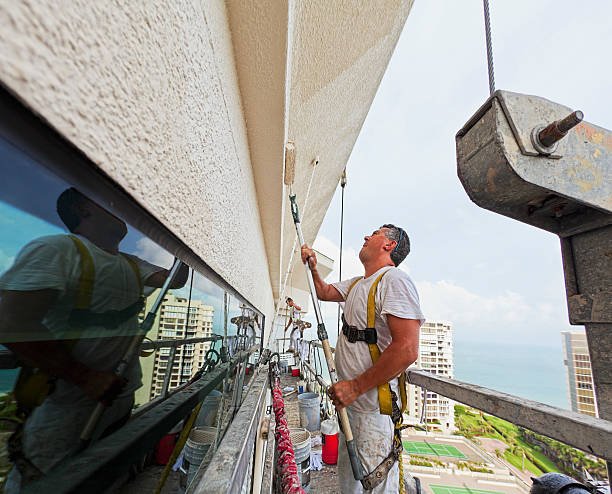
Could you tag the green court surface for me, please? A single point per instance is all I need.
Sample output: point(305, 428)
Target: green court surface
point(425, 448)
point(442, 489)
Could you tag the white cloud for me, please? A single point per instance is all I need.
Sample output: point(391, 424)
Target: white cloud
point(501, 316)
point(151, 252)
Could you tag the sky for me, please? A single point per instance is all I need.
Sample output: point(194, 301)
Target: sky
point(494, 278)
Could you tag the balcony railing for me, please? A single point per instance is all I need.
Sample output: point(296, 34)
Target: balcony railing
point(586, 433)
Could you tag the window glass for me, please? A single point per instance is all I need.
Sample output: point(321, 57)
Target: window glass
point(79, 289)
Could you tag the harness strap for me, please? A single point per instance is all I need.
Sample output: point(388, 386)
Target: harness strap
point(87, 277)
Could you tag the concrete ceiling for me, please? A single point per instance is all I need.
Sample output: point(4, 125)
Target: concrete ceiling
point(308, 72)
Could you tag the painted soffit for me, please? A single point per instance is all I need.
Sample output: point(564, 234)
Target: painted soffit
point(308, 73)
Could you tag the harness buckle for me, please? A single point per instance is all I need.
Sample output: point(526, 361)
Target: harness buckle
point(370, 336)
point(352, 333)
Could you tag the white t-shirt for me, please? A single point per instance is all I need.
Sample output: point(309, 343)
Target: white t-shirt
point(53, 262)
point(395, 295)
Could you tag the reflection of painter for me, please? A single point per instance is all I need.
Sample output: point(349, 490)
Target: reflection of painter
point(69, 306)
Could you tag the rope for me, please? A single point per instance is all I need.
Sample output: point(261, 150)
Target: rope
point(286, 465)
point(489, 42)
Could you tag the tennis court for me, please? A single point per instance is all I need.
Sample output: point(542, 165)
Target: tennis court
point(442, 489)
point(425, 448)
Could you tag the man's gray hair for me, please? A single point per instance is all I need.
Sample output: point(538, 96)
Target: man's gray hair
point(399, 235)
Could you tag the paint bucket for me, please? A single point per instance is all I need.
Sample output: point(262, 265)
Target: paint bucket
point(208, 412)
point(329, 441)
point(300, 386)
point(310, 414)
point(197, 446)
point(164, 448)
point(300, 438)
point(295, 372)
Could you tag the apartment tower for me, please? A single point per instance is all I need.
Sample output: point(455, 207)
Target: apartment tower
point(579, 374)
point(435, 356)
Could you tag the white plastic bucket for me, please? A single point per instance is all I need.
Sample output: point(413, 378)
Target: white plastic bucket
point(310, 414)
point(208, 412)
point(197, 446)
point(300, 438)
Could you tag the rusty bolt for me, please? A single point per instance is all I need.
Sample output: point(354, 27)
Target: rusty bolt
point(544, 139)
point(558, 130)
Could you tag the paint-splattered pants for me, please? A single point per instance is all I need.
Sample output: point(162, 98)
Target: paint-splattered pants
point(373, 435)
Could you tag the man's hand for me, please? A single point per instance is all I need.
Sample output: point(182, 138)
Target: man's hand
point(343, 393)
point(309, 255)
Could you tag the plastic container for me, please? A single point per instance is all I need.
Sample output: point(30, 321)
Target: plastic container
point(295, 372)
point(310, 415)
point(208, 413)
point(196, 448)
point(301, 386)
point(300, 438)
point(329, 441)
point(164, 448)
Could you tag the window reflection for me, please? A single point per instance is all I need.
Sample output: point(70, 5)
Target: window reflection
point(77, 287)
point(69, 305)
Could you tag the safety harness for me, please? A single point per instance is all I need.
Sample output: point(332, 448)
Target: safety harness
point(33, 385)
point(387, 399)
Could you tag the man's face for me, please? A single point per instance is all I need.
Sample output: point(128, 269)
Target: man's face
point(373, 245)
point(105, 221)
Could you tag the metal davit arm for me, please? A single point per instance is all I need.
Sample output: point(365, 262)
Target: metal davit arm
point(535, 161)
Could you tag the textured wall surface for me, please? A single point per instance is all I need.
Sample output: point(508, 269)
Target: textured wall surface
point(339, 53)
point(148, 91)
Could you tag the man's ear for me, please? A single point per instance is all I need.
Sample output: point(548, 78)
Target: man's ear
point(390, 246)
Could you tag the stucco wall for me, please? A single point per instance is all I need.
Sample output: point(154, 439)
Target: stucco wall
point(148, 91)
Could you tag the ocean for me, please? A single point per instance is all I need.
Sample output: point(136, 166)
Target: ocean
point(535, 372)
point(528, 371)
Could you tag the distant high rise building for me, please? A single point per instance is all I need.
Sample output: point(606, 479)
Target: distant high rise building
point(579, 374)
point(170, 324)
point(435, 356)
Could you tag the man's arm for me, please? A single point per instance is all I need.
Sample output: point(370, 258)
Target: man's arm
point(325, 291)
point(21, 312)
point(158, 278)
point(401, 353)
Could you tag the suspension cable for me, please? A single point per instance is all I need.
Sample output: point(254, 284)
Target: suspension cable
point(487, 19)
point(342, 184)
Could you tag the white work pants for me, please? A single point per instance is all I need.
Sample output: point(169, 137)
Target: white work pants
point(373, 434)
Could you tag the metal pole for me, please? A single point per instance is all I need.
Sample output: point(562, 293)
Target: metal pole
point(356, 465)
point(342, 184)
point(130, 353)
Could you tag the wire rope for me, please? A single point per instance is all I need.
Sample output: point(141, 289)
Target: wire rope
point(489, 42)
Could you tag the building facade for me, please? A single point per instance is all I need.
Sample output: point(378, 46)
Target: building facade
point(435, 356)
point(579, 374)
point(172, 324)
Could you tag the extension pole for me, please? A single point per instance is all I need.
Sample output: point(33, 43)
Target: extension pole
point(129, 355)
point(357, 467)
